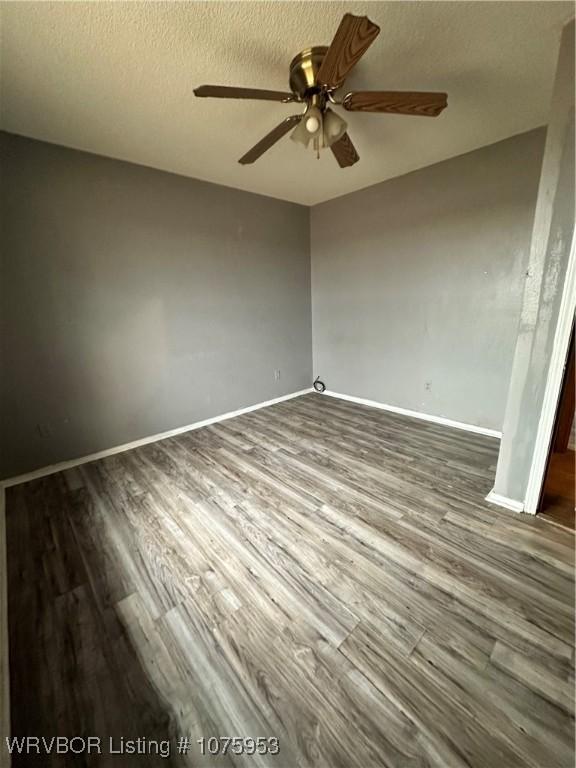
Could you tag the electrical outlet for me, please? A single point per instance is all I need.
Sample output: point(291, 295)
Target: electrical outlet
point(277, 374)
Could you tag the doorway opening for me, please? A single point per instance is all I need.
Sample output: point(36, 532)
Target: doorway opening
point(557, 498)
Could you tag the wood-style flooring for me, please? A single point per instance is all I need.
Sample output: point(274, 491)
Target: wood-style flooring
point(317, 571)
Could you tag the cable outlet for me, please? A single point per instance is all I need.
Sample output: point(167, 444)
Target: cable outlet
point(277, 374)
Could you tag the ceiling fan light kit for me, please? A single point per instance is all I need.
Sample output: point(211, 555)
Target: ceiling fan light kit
point(321, 127)
point(315, 75)
point(309, 128)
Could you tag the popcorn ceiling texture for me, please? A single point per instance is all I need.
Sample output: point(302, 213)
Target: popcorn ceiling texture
point(117, 78)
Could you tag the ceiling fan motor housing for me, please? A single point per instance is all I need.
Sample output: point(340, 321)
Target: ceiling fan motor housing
point(304, 70)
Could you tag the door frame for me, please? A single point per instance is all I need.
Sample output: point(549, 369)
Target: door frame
point(553, 388)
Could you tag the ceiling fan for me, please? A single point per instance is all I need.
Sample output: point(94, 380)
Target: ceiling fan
point(315, 74)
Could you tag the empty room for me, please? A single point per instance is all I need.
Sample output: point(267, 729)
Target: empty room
point(287, 298)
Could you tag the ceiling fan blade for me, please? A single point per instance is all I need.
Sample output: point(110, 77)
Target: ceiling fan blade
point(424, 103)
point(228, 92)
point(270, 139)
point(345, 152)
point(352, 39)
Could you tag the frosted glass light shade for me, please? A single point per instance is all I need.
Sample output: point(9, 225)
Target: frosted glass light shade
point(323, 128)
point(300, 134)
point(333, 128)
point(310, 127)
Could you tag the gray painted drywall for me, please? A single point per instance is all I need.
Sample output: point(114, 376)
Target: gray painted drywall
point(134, 301)
point(549, 253)
point(417, 283)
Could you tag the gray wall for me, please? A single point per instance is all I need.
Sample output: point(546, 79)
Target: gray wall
point(417, 283)
point(549, 254)
point(134, 301)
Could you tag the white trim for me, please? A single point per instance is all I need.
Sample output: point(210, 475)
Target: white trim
point(553, 385)
point(53, 468)
point(418, 415)
point(4, 667)
point(504, 501)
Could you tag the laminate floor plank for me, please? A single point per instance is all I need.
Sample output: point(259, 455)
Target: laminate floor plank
point(321, 572)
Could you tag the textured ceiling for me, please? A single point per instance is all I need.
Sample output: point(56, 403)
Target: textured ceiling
point(117, 78)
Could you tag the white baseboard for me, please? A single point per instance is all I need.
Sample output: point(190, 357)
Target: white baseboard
point(53, 468)
point(4, 667)
point(504, 501)
point(417, 415)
